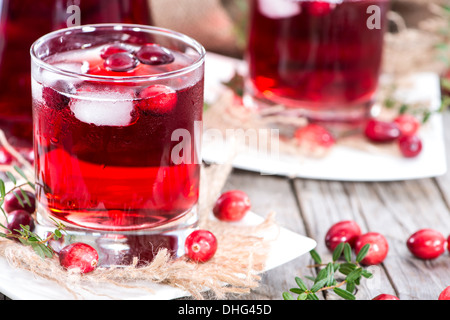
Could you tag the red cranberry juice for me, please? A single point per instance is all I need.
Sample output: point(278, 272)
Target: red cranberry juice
point(25, 21)
point(315, 55)
point(104, 153)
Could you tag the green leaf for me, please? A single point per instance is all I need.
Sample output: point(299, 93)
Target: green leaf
point(354, 275)
point(426, 116)
point(323, 274)
point(403, 109)
point(2, 188)
point(445, 83)
point(296, 290)
point(302, 296)
point(362, 253)
point(301, 284)
point(330, 274)
point(344, 294)
point(348, 253)
point(338, 251)
point(11, 177)
point(312, 296)
point(346, 268)
point(315, 256)
point(310, 278)
point(350, 287)
point(319, 284)
point(18, 199)
point(57, 235)
point(287, 296)
point(19, 171)
point(25, 197)
point(366, 274)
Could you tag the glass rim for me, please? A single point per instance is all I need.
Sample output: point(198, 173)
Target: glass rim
point(118, 27)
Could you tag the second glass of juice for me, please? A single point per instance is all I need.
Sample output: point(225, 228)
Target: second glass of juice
point(320, 59)
point(117, 113)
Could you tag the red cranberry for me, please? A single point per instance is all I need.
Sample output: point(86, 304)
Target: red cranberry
point(110, 50)
point(378, 247)
point(154, 54)
point(54, 99)
point(158, 99)
point(448, 244)
point(78, 257)
point(410, 146)
point(5, 157)
point(17, 218)
point(232, 206)
point(314, 135)
point(381, 131)
point(384, 296)
point(344, 231)
point(120, 62)
point(12, 203)
point(200, 245)
point(445, 294)
point(426, 244)
point(407, 124)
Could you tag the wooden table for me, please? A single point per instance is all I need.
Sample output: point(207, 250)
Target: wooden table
point(395, 209)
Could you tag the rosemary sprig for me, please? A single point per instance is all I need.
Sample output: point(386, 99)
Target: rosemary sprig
point(326, 278)
point(24, 235)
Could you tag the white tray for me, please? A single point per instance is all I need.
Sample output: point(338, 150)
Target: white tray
point(343, 163)
point(22, 285)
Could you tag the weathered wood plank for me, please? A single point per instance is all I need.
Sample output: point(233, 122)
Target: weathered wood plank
point(444, 181)
point(406, 207)
point(270, 193)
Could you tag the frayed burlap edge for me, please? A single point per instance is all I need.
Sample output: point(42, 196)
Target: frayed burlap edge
point(235, 268)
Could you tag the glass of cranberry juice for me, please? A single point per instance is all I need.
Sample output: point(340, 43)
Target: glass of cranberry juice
point(117, 113)
point(320, 59)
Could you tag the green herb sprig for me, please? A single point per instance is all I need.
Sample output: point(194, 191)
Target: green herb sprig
point(327, 279)
point(24, 235)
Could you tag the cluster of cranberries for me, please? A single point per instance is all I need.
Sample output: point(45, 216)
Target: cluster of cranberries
point(403, 129)
point(424, 244)
point(77, 256)
point(119, 58)
point(231, 206)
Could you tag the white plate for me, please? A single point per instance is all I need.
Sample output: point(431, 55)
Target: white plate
point(22, 285)
point(343, 163)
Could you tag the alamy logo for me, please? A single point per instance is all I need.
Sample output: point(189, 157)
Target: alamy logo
point(374, 20)
point(75, 16)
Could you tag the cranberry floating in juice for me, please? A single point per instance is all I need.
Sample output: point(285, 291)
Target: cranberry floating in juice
point(319, 58)
point(22, 23)
point(117, 125)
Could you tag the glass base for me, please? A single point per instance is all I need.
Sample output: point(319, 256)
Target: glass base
point(339, 119)
point(123, 248)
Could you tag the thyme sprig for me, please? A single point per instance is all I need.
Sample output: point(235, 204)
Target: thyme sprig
point(327, 279)
point(24, 235)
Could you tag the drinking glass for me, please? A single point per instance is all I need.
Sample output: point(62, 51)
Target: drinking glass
point(117, 113)
point(319, 59)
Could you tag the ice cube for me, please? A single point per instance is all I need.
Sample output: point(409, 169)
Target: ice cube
point(279, 9)
point(103, 108)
